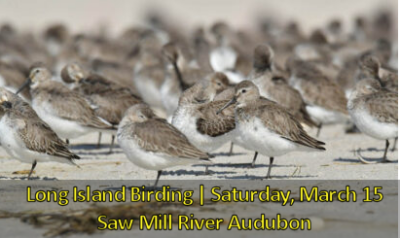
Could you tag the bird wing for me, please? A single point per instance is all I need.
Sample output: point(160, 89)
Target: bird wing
point(279, 120)
point(39, 137)
point(157, 135)
point(71, 106)
point(383, 106)
point(326, 94)
point(213, 124)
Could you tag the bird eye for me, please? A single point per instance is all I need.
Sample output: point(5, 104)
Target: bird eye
point(37, 71)
point(219, 84)
point(244, 90)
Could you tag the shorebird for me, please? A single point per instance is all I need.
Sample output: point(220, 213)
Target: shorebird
point(152, 143)
point(149, 72)
point(110, 99)
point(375, 112)
point(226, 55)
point(267, 127)
point(11, 78)
point(25, 137)
point(326, 101)
point(180, 75)
point(66, 111)
point(196, 114)
point(273, 85)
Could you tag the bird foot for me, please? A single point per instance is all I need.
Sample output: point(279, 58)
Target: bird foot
point(208, 172)
point(365, 161)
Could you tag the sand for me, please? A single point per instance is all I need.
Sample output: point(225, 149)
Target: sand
point(337, 162)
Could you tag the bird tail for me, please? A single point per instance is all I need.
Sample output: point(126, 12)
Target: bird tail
point(310, 142)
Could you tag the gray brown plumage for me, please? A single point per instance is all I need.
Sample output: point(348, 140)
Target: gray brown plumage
point(209, 123)
point(277, 119)
point(158, 136)
point(274, 86)
point(68, 105)
point(315, 87)
point(374, 111)
point(279, 90)
point(36, 135)
point(266, 127)
point(111, 100)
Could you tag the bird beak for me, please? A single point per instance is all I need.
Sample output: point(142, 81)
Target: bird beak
point(26, 84)
point(232, 101)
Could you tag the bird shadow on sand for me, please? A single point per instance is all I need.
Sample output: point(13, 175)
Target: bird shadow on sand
point(225, 154)
point(94, 153)
point(255, 177)
point(370, 149)
point(181, 172)
point(37, 178)
point(240, 165)
point(91, 146)
point(356, 160)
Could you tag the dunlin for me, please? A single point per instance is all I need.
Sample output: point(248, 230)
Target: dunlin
point(152, 143)
point(25, 137)
point(374, 111)
point(267, 127)
point(110, 99)
point(12, 78)
point(226, 56)
point(326, 101)
point(149, 73)
point(273, 86)
point(180, 76)
point(66, 111)
point(196, 115)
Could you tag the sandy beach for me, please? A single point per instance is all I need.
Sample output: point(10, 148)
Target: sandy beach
point(339, 161)
point(335, 168)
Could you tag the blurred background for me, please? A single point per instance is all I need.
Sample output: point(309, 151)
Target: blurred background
point(89, 15)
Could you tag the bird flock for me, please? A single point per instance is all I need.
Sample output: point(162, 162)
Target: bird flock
point(172, 96)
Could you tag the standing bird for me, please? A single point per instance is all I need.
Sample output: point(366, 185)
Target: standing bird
point(66, 111)
point(196, 114)
point(109, 98)
point(267, 127)
point(374, 111)
point(275, 88)
point(152, 143)
point(273, 85)
point(326, 101)
point(180, 75)
point(25, 137)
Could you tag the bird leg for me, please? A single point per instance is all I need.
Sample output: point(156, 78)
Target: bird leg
point(231, 150)
point(159, 172)
point(253, 164)
point(206, 172)
point(67, 141)
point(33, 167)
point(384, 159)
point(271, 161)
point(112, 144)
point(99, 140)
point(394, 144)
point(318, 129)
